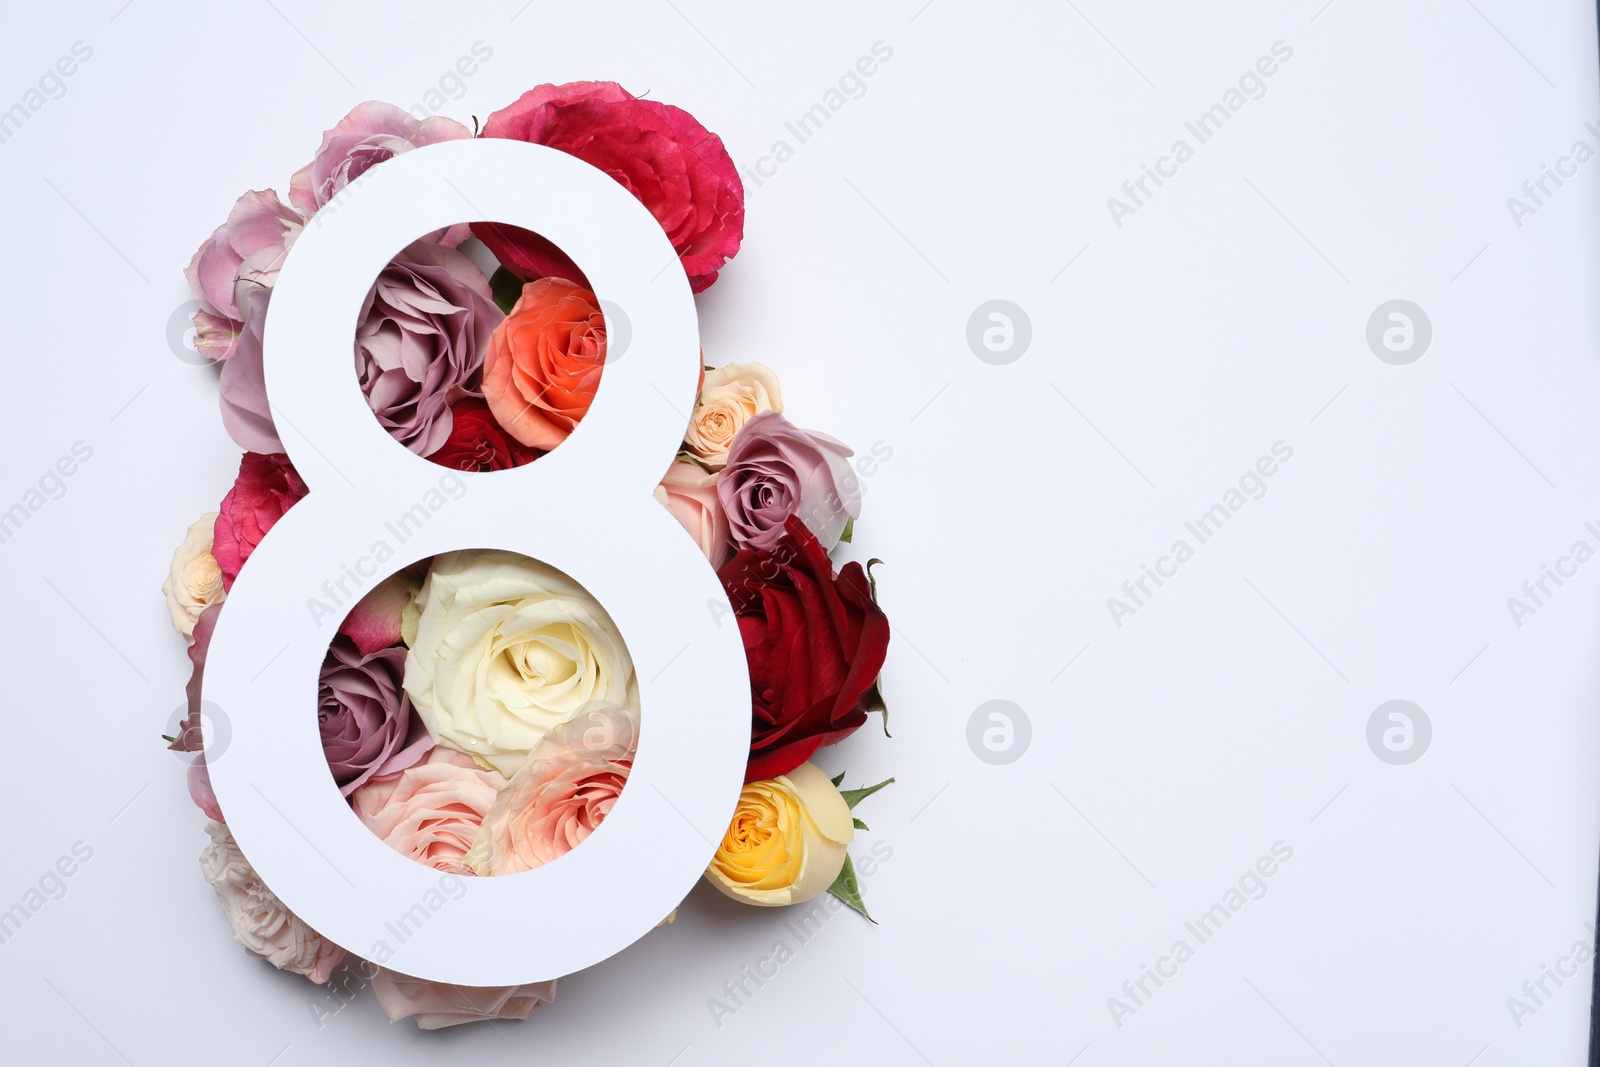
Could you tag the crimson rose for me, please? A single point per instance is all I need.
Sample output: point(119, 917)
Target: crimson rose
point(674, 166)
point(815, 642)
point(478, 443)
point(267, 486)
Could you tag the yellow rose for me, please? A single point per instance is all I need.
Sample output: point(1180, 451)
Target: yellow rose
point(787, 841)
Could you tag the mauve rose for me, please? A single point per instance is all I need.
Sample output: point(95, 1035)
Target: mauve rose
point(368, 729)
point(420, 342)
point(371, 133)
point(478, 443)
point(560, 796)
point(189, 737)
point(814, 642)
point(430, 812)
point(775, 470)
point(659, 153)
point(242, 388)
point(200, 789)
point(251, 244)
point(438, 1004)
point(267, 486)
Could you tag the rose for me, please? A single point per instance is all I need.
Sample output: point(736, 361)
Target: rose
point(371, 133)
point(374, 623)
point(477, 443)
point(437, 1004)
point(190, 734)
point(689, 491)
point(544, 362)
point(260, 922)
point(504, 649)
point(365, 717)
point(266, 487)
point(815, 643)
point(250, 245)
point(787, 842)
point(430, 812)
point(420, 341)
point(730, 396)
point(562, 793)
point(215, 335)
point(659, 153)
point(194, 581)
point(200, 791)
point(776, 470)
point(242, 388)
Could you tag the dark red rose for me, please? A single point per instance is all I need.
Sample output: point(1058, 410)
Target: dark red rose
point(267, 487)
point(477, 442)
point(815, 642)
point(659, 153)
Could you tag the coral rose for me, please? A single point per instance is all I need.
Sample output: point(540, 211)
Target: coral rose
point(544, 362)
point(787, 842)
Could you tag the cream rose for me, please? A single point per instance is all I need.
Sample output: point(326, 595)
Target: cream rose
point(689, 491)
point(194, 581)
point(730, 396)
point(436, 1005)
point(787, 841)
point(260, 922)
point(503, 650)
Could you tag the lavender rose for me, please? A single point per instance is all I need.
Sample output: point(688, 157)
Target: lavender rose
point(420, 342)
point(775, 470)
point(368, 730)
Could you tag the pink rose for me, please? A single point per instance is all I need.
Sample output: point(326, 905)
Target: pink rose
point(242, 388)
point(430, 812)
point(251, 244)
point(267, 486)
point(560, 795)
point(689, 491)
point(215, 336)
point(200, 790)
point(659, 153)
point(436, 1004)
point(371, 133)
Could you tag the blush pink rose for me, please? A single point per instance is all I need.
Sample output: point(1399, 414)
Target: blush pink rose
point(560, 795)
point(689, 491)
point(431, 812)
point(659, 153)
point(371, 133)
point(436, 1005)
point(200, 790)
point(267, 486)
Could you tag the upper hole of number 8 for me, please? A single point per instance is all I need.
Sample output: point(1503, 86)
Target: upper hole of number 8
point(481, 347)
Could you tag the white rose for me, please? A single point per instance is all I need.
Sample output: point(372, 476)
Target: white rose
point(503, 650)
point(731, 396)
point(260, 922)
point(194, 581)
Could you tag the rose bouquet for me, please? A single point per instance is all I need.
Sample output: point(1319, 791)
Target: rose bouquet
point(478, 709)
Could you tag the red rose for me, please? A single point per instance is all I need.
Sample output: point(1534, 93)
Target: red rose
point(267, 487)
point(478, 443)
point(815, 642)
point(675, 166)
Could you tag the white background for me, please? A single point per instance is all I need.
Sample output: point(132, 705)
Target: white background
point(1228, 714)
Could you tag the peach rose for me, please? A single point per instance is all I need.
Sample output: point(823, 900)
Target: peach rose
point(730, 396)
point(430, 812)
point(194, 581)
point(436, 1005)
point(544, 362)
point(689, 491)
point(558, 798)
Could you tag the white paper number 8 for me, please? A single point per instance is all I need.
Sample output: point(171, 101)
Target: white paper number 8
point(585, 508)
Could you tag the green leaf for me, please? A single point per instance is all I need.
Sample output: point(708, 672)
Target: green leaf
point(860, 825)
point(836, 778)
point(849, 531)
point(853, 797)
point(875, 702)
point(506, 288)
point(847, 889)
